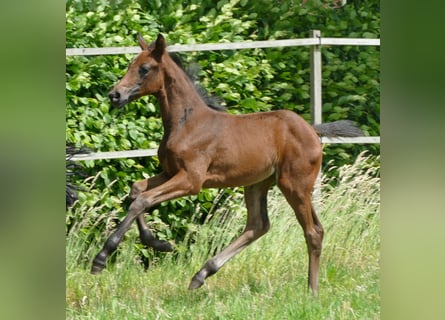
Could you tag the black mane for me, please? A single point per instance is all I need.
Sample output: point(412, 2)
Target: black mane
point(191, 71)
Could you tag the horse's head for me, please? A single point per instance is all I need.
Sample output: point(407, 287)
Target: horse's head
point(143, 76)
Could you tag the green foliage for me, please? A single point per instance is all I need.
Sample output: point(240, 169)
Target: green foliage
point(247, 80)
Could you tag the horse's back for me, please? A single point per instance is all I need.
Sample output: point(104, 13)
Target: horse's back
point(283, 126)
point(276, 135)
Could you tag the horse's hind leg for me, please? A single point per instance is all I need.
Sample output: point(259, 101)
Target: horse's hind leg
point(257, 225)
point(297, 190)
point(146, 236)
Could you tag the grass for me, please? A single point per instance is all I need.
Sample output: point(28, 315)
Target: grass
point(268, 280)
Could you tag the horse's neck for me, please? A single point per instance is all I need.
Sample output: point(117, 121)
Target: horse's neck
point(179, 102)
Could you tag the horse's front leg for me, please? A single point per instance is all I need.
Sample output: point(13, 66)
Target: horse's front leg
point(113, 241)
point(148, 239)
point(178, 186)
point(146, 236)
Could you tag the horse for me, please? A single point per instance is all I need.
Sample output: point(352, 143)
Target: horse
point(204, 147)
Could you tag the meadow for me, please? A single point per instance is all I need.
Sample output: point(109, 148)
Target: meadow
point(268, 280)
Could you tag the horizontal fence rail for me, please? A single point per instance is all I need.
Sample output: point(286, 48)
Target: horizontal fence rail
point(115, 154)
point(229, 46)
point(315, 42)
point(154, 152)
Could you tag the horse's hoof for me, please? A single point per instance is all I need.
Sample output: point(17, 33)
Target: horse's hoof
point(161, 245)
point(98, 264)
point(96, 269)
point(196, 283)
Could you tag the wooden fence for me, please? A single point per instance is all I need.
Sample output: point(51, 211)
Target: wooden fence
point(316, 41)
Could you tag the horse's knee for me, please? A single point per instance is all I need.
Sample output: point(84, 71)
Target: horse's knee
point(137, 188)
point(138, 205)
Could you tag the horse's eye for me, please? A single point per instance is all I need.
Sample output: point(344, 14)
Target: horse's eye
point(143, 70)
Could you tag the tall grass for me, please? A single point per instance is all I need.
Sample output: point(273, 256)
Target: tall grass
point(268, 280)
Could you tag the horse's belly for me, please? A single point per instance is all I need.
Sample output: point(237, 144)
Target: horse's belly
point(237, 178)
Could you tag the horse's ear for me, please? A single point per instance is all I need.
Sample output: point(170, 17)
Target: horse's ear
point(142, 43)
point(159, 47)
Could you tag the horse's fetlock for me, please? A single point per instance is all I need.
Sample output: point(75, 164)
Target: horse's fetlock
point(211, 267)
point(100, 259)
point(146, 237)
point(112, 243)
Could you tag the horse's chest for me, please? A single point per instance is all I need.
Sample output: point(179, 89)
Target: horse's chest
point(174, 157)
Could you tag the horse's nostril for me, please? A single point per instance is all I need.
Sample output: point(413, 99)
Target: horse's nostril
point(114, 95)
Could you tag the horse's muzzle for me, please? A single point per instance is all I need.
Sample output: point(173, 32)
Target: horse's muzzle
point(116, 98)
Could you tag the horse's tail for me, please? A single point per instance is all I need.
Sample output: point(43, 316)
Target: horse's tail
point(342, 128)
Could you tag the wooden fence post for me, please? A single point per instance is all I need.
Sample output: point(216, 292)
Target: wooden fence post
point(316, 103)
point(316, 79)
